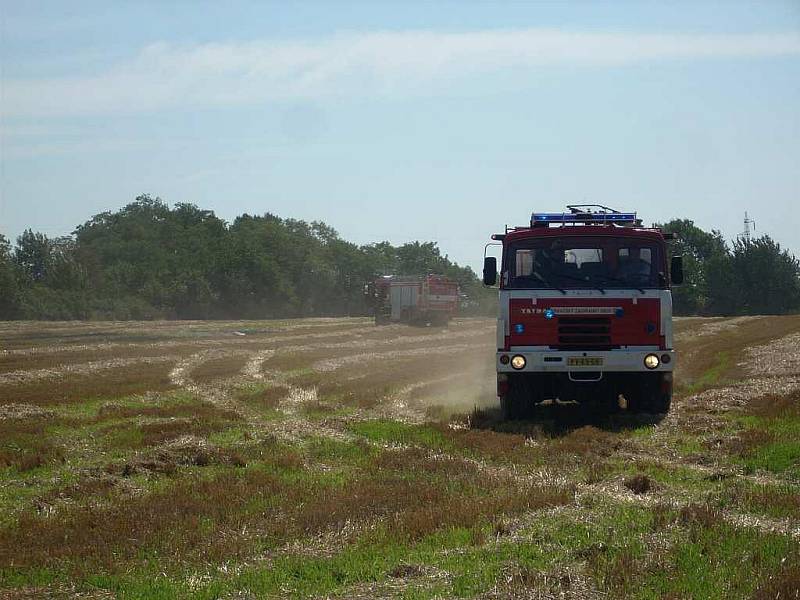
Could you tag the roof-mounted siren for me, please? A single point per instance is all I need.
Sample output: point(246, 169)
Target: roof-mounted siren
point(586, 214)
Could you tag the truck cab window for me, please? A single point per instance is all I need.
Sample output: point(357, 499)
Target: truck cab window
point(543, 264)
point(524, 263)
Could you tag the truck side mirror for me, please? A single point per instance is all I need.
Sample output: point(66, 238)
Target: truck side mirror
point(489, 270)
point(676, 270)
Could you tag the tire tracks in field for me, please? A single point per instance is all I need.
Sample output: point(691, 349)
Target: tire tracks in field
point(295, 427)
point(216, 339)
point(212, 340)
point(21, 377)
point(362, 343)
point(292, 428)
point(332, 364)
point(394, 406)
point(216, 393)
point(398, 406)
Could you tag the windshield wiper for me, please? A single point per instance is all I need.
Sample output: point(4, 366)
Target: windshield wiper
point(550, 283)
point(582, 280)
point(625, 281)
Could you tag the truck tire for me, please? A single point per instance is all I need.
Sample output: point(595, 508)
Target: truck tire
point(658, 404)
point(652, 397)
point(518, 402)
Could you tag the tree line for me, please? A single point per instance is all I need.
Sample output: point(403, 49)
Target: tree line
point(149, 261)
point(747, 277)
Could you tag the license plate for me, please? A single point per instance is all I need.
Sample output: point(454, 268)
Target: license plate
point(584, 361)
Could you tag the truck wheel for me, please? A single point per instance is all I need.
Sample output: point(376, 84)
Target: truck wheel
point(653, 396)
point(517, 403)
point(658, 404)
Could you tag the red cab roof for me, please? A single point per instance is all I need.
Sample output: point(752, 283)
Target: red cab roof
point(643, 233)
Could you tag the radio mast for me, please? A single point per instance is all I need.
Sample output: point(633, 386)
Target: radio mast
point(747, 222)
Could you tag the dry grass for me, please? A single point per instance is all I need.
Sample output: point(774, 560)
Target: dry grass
point(419, 460)
point(368, 384)
point(219, 368)
point(196, 410)
point(61, 358)
point(176, 520)
point(181, 518)
point(261, 396)
point(463, 496)
point(588, 440)
point(112, 383)
point(774, 405)
point(784, 502)
point(742, 443)
point(157, 419)
point(24, 445)
point(160, 486)
point(168, 457)
point(783, 585)
point(139, 435)
point(699, 515)
point(495, 445)
point(94, 486)
point(707, 360)
point(457, 511)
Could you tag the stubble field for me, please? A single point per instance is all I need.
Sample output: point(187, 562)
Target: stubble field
point(331, 458)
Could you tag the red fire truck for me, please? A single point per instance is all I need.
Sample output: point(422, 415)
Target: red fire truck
point(585, 312)
point(419, 300)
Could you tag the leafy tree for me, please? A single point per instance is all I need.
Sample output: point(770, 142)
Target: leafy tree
point(418, 258)
point(168, 259)
point(32, 255)
point(766, 278)
point(701, 251)
point(9, 300)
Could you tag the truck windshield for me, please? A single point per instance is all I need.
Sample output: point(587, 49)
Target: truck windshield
point(583, 262)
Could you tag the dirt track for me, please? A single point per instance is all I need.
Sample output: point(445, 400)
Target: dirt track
point(302, 381)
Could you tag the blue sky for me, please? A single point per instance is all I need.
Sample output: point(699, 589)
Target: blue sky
point(403, 120)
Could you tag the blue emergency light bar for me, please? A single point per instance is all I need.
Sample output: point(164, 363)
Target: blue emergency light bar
point(599, 217)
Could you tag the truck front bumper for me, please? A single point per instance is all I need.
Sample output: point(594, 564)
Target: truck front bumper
point(561, 361)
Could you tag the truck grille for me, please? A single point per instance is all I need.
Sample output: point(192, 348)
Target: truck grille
point(584, 332)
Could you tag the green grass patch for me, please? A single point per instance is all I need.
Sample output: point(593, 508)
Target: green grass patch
point(778, 457)
point(690, 446)
point(713, 560)
point(711, 377)
point(777, 501)
point(338, 451)
point(263, 397)
point(770, 444)
point(394, 432)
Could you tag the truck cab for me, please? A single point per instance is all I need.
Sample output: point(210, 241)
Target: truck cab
point(585, 312)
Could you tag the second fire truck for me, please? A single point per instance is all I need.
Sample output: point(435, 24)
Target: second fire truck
point(415, 300)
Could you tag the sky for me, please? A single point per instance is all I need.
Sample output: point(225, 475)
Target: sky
point(405, 120)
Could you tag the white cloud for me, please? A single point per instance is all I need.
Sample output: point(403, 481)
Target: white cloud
point(228, 74)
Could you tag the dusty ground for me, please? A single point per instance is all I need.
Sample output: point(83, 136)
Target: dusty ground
point(331, 458)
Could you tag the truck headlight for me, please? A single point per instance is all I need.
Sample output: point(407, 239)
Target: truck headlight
point(518, 362)
point(651, 361)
